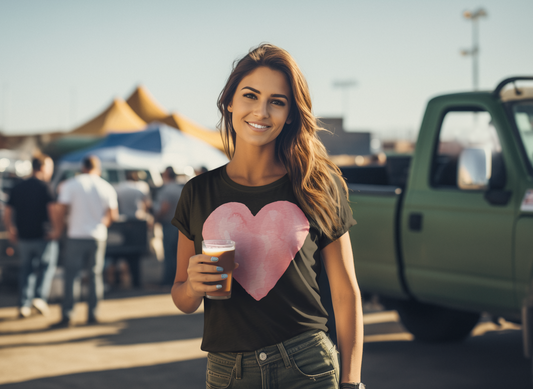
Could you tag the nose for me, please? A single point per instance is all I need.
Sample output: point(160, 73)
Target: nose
point(261, 109)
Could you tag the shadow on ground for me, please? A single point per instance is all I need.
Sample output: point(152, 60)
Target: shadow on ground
point(494, 360)
point(134, 331)
point(491, 360)
point(187, 375)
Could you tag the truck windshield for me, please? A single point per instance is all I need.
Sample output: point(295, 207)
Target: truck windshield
point(523, 116)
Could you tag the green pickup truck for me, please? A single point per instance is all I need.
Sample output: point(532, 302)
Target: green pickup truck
point(448, 234)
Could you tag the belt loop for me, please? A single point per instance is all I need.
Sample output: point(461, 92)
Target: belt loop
point(238, 365)
point(284, 355)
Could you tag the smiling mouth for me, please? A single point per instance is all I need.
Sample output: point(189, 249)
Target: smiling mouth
point(258, 126)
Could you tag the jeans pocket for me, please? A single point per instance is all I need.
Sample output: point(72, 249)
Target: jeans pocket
point(218, 375)
point(316, 362)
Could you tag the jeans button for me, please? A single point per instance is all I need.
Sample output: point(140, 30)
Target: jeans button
point(262, 356)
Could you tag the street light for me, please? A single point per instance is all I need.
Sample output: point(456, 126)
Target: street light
point(474, 51)
point(345, 85)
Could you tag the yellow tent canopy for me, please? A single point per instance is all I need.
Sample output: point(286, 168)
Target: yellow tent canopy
point(189, 127)
point(144, 105)
point(118, 117)
point(147, 108)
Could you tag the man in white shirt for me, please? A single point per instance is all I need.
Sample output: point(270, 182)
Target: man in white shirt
point(90, 204)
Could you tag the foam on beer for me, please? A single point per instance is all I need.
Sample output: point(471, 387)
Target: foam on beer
point(214, 250)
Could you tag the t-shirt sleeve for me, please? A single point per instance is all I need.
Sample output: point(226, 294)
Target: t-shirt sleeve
point(112, 201)
point(182, 216)
point(65, 193)
point(345, 215)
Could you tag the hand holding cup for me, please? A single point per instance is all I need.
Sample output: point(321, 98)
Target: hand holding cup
point(222, 256)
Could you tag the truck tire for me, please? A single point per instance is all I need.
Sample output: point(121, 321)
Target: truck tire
point(432, 323)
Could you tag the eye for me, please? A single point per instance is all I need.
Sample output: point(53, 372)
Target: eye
point(281, 103)
point(250, 96)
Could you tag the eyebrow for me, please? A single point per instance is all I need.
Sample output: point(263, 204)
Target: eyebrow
point(256, 91)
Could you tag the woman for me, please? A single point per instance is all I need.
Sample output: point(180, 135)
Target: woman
point(285, 205)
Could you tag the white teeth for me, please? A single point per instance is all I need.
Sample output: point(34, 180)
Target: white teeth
point(258, 126)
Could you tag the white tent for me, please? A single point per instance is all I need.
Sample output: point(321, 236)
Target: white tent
point(156, 147)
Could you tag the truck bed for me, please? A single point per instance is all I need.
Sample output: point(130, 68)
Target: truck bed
point(375, 197)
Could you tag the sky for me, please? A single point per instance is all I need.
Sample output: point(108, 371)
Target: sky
point(64, 61)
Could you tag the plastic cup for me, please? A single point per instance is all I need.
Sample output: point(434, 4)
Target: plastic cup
point(224, 250)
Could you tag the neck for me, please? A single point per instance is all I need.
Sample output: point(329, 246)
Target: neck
point(255, 166)
point(39, 175)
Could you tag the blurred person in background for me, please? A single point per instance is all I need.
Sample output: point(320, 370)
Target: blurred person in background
point(90, 205)
point(200, 170)
point(30, 203)
point(133, 197)
point(164, 206)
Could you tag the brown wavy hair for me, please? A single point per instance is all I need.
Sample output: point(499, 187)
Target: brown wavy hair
point(312, 174)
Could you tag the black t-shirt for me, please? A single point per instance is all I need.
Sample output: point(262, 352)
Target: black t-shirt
point(30, 199)
point(275, 292)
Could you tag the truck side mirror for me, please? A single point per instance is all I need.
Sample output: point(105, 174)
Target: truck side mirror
point(474, 168)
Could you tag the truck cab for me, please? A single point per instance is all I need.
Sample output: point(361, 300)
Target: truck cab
point(452, 238)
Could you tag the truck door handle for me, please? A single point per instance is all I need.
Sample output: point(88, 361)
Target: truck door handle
point(415, 222)
point(498, 197)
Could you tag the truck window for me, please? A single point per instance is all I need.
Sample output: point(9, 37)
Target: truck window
point(523, 116)
point(460, 129)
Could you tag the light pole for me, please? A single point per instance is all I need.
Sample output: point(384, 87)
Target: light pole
point(474, 51)
point(345, 85)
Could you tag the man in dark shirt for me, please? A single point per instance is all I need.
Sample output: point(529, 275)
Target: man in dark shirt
point(30, 205)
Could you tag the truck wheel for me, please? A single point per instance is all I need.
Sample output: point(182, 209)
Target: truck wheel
point(432, 323)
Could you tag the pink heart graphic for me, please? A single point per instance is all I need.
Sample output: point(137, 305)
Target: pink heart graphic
point(265, 244)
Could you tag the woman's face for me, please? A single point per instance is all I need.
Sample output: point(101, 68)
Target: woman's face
point(260, 107)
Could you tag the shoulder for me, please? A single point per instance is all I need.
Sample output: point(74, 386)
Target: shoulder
point(17, 188)
point(72, 182)
point(143, 187)
point(205, 178)
point(66, 188)
point(200, 184)
point(20, 185)
point(340, 182)
point(105, 185)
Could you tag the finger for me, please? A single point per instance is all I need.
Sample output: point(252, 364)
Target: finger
point(213, 288)
point(201, 288)
point(202, 258)
point(203, 268)
point(208, 277)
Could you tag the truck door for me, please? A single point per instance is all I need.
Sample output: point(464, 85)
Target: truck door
point(457, 244)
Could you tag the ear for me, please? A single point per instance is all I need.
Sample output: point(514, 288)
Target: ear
point(289, 118)
point(230, 108)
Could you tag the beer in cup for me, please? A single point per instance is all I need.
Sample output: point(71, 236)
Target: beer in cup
point(224, 250)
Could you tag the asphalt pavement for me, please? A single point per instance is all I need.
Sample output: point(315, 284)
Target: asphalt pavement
point(143, 341)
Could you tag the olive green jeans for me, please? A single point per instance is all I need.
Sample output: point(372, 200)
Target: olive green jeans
point(309, 360)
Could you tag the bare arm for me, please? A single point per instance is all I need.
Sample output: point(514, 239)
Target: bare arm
point(59, 212)
point(57, 225)
point(192, 272)
point(347, 305)
point(110, 216)
point(8, 222)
